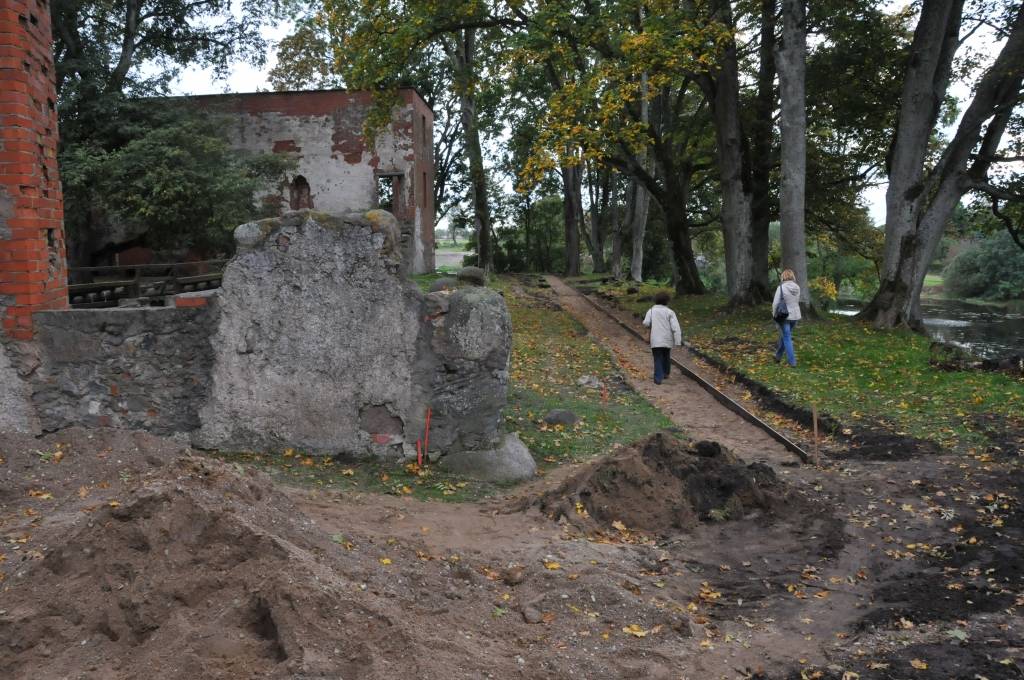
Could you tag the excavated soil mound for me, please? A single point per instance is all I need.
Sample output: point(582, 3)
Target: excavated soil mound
point(663, 485)
point(202, 571)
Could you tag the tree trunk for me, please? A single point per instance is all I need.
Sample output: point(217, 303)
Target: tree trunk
point(919, 200)
point(642, 198)
point(792, 66)
point(723, 93)
point(599, 219)
point(688, 276)
point(639, 204)
point(528, 258)
point(572, 190)
point(463, 62)
point(762, 148)
point(618, 229)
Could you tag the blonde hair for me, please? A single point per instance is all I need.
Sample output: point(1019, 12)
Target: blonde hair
point(788, 275)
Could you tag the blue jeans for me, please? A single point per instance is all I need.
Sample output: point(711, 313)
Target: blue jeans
point(662, 363)
point(786, 342)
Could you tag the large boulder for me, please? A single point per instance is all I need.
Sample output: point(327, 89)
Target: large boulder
point(471, 344)
point(509, 462)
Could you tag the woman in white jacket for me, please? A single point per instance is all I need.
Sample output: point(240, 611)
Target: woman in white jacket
point(788, 292)
point(665, 334)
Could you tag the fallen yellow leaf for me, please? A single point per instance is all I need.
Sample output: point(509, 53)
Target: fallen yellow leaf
point(918, 664)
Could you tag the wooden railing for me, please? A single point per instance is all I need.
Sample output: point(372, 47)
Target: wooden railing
point(150, 283)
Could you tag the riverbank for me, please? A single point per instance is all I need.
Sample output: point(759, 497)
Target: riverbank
point(858, 375)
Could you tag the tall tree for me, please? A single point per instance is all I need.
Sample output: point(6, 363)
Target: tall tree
point(640, 197)
point(762, 143)
point(572, 193)
point(721, 86)
point(792, 68)
point(100, 46)
point(923, 192)
point(376, 41)
point(462, 51)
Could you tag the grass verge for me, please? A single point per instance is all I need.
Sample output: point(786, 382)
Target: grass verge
point(857, 374)
point(551, 351)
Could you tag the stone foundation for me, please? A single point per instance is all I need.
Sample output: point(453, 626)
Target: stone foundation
point(145, 368)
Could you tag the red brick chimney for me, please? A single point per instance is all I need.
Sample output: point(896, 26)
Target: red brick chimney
point(33, 270)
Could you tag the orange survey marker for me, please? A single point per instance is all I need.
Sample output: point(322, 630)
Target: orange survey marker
point(426, 436)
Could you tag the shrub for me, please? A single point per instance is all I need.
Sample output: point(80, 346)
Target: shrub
point(992, 269)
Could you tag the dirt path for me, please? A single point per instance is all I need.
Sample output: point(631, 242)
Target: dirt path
point(682, 400)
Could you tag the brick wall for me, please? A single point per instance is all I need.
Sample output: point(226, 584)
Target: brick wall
point(33, 273)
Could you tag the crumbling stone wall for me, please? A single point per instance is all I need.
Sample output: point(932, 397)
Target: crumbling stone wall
point(145, 368)
point(321, 345)
point(16, 413)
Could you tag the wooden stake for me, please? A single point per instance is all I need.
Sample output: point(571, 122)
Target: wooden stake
point(814, 415)
point(426, 435)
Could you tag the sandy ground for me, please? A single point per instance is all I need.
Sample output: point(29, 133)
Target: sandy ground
point(125, 555)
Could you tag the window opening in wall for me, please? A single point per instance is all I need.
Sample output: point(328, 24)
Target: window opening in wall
point(423, 200)
point(423, 126)
point(389, 188)
point(299, 196)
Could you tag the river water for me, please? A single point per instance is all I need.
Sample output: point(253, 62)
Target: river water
point(985, 330)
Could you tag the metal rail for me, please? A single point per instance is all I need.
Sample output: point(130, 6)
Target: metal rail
point(721, 398)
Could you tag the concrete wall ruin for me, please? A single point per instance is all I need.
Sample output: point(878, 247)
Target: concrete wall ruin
point(321, 345)
point(316, 341)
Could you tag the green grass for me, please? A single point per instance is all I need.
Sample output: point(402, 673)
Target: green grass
point(424, 280)
point(850, 370)
point(932, 280)
point(551, 351)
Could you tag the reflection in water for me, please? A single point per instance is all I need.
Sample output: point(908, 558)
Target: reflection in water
point(986, 331)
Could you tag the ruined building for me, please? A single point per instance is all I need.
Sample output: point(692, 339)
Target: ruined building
point(317, 339)
point(336, 168)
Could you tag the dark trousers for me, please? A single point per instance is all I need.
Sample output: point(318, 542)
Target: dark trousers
point(662, 363)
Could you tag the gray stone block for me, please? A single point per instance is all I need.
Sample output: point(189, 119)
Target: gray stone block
point(323, 345)
point(560, 416)
point(473, 275)
point(510, 462)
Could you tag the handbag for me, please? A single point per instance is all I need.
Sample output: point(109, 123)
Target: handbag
point(781, 312)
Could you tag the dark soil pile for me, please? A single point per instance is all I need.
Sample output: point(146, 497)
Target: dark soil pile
point(663, 485)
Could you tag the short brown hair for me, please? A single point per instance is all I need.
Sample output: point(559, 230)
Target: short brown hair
point(788, 275)
point(662, 298)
